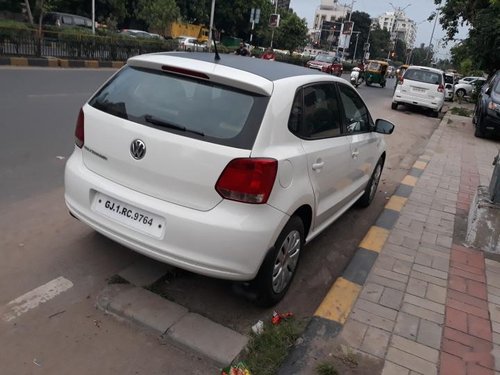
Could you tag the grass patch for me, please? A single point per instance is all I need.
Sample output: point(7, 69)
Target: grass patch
point(326, 368)
point(461, 111)
point(267, 351)
point(117, 279)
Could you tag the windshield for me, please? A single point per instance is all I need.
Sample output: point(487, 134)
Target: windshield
point(174, 103)
point(374, 66)
point(324, 58)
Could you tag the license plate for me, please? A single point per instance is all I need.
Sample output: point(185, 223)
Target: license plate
point(418, 89)
point(128, 215)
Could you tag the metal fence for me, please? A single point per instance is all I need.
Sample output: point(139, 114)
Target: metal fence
point(71, 45)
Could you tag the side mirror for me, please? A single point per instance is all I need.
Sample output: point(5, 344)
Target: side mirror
point(384, 126)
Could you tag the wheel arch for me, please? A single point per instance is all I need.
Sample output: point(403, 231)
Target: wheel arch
point(305, 213)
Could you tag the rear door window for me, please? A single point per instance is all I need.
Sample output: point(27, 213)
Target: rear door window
point(315, 112)
point(184, 106)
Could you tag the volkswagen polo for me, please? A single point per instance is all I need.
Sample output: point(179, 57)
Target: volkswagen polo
point(226, 168)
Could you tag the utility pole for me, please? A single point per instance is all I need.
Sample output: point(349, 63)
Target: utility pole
point(212, 10)
point(432, 35)
point(275, 12)
point(93, 16)
point(355, 46)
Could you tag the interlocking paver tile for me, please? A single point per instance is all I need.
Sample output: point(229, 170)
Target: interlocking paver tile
point(392, 298)
point(412, 362)
point(422, 313)
point(417, 287)
point(415, 348)
point(375, 308)
point(430, 333)
point(407, 325)
point(375, 342)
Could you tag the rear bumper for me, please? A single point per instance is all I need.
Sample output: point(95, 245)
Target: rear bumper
point(431, 103)
point(491, 121)
point(229, 241)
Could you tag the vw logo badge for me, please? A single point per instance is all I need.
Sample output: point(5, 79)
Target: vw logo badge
point(137, 149)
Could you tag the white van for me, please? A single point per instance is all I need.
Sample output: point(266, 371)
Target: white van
point(421, 86)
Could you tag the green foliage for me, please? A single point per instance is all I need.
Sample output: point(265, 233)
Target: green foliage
point(326, 368)
point(195, 11)
point(483, 16)
point(465, 67)
point(158, 13)
point(266, 351)
point(291, 33)
point(362, 22)
point(379, 42)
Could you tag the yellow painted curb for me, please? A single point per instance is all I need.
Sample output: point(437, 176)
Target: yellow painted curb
point(91, 64)
point(420, 164)
point(117, 64)
point(409, 180)
point(396, 203)
point(63, 63)
point(339, 301)
point(19, 61)
point(375, 239)
point(53, 63)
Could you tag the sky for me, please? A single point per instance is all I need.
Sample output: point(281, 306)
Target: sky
point(417, 10)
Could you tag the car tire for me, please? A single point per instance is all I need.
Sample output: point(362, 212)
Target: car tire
point(435, 113)
point(279, 267)
point(394, 105)
point(478, 128)
point(460, 93)
point(371, 186)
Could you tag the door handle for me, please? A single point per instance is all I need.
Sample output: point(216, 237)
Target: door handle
point(317, 166)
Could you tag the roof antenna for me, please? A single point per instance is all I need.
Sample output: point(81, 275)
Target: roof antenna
point(217, 57)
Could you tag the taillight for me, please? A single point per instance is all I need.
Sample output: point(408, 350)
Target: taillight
point(440, 88)
point(400, 81)
point(248, 180)
point(80, 131)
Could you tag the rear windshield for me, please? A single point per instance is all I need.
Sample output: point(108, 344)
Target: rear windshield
point(324, 58)
point(185, 106)
point(424, 76)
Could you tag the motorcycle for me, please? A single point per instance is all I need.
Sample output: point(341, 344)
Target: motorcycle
point(356, 77)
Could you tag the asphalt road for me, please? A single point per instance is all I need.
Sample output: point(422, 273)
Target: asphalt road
point(40, 242)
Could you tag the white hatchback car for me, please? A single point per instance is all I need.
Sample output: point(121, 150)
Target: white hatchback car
point(421, 86)
point(224, 168)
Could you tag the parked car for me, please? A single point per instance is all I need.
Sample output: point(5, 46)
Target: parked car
point(162, 166)
point(140, 34)
point(421, 86)
point(466, 89)
point(449, 86)
point(66, 20)
point(469, 79)
point(326, 63)
point(191, 44)
point(487, 110)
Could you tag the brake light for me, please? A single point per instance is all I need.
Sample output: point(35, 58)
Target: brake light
point(80, 131)
point(248, 180)
point(400, 81)
point(440, 88)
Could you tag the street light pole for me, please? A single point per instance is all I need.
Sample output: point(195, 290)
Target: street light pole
point(432, 35)
point(212, 10)
point(355, 46)
point(275, 12)
point(93, 16)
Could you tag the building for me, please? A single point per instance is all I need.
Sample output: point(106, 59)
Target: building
point(400, 26)
point(329, 10)
point(325, 27)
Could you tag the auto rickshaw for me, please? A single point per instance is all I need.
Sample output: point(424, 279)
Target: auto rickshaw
point(375, 72)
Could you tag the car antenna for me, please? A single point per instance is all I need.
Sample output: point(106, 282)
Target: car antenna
point(217, 57)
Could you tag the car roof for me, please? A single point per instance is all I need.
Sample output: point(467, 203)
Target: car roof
point(425, 68)
point(262, 68)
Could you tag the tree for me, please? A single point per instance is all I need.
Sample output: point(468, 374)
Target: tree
point(399, 50)
point(484, 37)
point(292, 32)
point(158, 13)
point(362, 22)
point(195, 11)
point(380, 41)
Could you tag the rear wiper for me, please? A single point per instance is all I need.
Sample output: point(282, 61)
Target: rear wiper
point(165, 124)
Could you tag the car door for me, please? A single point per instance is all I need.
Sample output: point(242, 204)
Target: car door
point(363, 142)
point(316, 120)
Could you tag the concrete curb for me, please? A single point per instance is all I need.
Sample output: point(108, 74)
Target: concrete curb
point(332, 313)
point(172, 322)
point(56, 62)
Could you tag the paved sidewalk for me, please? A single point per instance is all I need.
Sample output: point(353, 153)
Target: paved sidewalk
point(414, 300)
point(430, 304)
